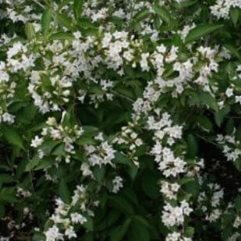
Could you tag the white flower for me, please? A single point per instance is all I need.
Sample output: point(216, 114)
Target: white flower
point(216, 213)
point(70, 233)
point(53, 234)
point(237, 222)
point(229, 92)
point(170, 190)
point(138, 142)
point(172, 216)
point(51, 121)
point(78, 218)
point(117, 184)
point(55, 134)
point(85, 168)
point(238, 99)
point(173, 236)
point(37, 141)
point(8, 118)
point(77, 35)
point(144, 62)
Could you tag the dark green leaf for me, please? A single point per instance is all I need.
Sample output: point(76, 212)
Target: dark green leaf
point(220, 115)
point(138, 232)
point(64, 191)
point(233, 50)
point(184, 4)
point(121, 204)
point(46, 20)
point(8, 195)
point(205, 123)
point(201, 31)
point(150, 184)
point(234, 14)
point(78, 8)
point(89, 225)
point(12, 136)
point(65, 21)
point(189, 232)
point(32, 164)
point(192, 146)
point(208, 100)
point(5, 178)
point(119, 232)
point(163, 13)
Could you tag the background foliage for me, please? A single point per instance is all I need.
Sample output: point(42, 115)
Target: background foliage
point(119, 120)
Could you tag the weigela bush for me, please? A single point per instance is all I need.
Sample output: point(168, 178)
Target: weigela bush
point(120, 120)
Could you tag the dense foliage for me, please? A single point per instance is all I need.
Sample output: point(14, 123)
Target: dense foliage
point(120, 120)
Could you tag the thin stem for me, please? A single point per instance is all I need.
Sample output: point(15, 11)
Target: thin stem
point(122, 96)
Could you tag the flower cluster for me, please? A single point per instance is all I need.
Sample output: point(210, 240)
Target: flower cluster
point(59, 133)
point(100, 155)
point(222, 7)
point(230, 146)
point(116, 118)
point(67, 216)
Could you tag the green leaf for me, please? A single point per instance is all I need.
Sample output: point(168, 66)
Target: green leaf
point(237, 203)
point(43, 164)
point(29, 31)
point(133, 171)
point(26, 114)
point(189, 232)
point(121, 158)
point(229, 127)
point(89, 225)
point(205, 123)
point(65, 21)
point(87, 24)
point(191, 186)
point(38, 237)
point(234, 14)
point(48, 146)
point(237, 164)
point(163, 13)
point(2, 210)
point(184, 4)
point(150, 184)
point(5, 178)
point(32, 164)
point(12, 136)
point(208, 100)
point(141, 15)
point(138, 232)
point(201, 31)
point(8, 195)
point(46, 20)
point(59, 150)
point(85, 140)
point(233, 50)
point(64, 191)
point(99, 173)
point(142, 220)
point(220, 115)
point(78, 8)
point(88, 237)
point(119, 232)
point(121, 204)
point(112, 218)
point(192, 146)
point(130, 195)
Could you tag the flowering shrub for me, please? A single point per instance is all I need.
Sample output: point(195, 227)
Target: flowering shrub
point(119, 120)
